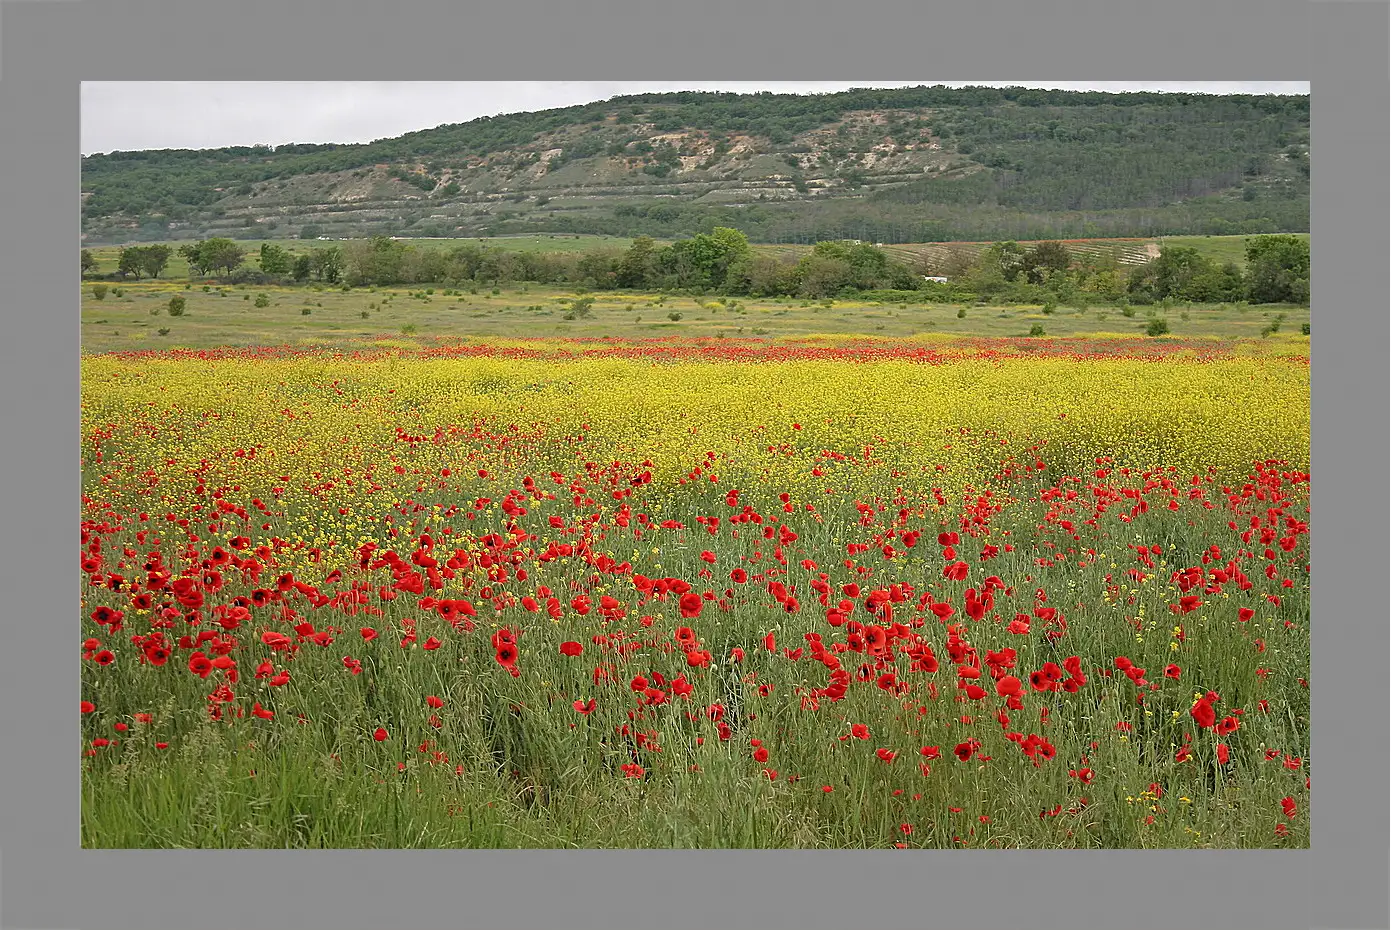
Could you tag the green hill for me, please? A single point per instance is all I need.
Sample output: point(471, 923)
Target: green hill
point(926, 164)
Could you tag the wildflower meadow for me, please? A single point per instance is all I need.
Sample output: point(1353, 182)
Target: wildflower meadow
point(826, 593)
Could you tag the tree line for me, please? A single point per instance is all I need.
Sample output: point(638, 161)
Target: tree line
point(722, 261)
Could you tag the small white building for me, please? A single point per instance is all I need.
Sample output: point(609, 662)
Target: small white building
point(935, 278)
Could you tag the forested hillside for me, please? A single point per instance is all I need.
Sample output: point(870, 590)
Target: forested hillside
point(923, 164)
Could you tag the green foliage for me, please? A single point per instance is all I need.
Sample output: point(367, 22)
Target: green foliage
point(177, 306)
point(303, 268)
point(262, 300)
point(99, 291)
point(217, 254)
point(674, 316)
point(1036, 330)
point(1304, 329)
point(1033, 164)
point(275, 260)
point(1157, 327)
point(89, 263)
point(1278, 267)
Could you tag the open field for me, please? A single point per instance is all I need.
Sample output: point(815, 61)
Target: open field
point(836, 593)
point(228, 316)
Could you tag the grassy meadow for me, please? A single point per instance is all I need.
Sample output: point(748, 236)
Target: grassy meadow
point(405, 567)
point(230, 316)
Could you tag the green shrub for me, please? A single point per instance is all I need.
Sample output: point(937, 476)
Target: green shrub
point(305, 311)
point(673, 316)
point(961, 313)
point(99, 291)
point(262, 300)
point(1036, 329)
point(1304, 329)
point(1157, 327)
point(177, 305)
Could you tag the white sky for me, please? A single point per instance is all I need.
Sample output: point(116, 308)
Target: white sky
point(129, 116)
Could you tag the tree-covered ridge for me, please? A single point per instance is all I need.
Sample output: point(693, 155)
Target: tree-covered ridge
point(967, 160)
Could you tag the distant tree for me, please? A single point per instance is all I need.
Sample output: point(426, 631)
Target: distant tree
point(132, 261)
point(1277, 269)
point(1218, 284)
point(274, 259)
point(1176, 268)
point(636, 267)
point(712, 253)
point(89, 264)
point(823, 273)
point(155, 259)
point(304, 266)
point(1006, 257)
point(220, 254)
point(327, 264)
point(193, 254)
point(1045, 260)
point(311, 231)
point(598, 268)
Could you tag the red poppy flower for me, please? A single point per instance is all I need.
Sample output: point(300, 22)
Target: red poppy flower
point(434, 702)
point(760, 755)
point(1227, 725)
point(738, 576)
point(88, 707)
point(1289, 807)
point(1008, 685)
point(691, 604)
point(1172, 671)
point(885, 755)
point(1203, 714)
point(506, 655)
point(571, 649)
point(105, 657)
point(380, 734)
point(964, 751)
point(859, 731)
